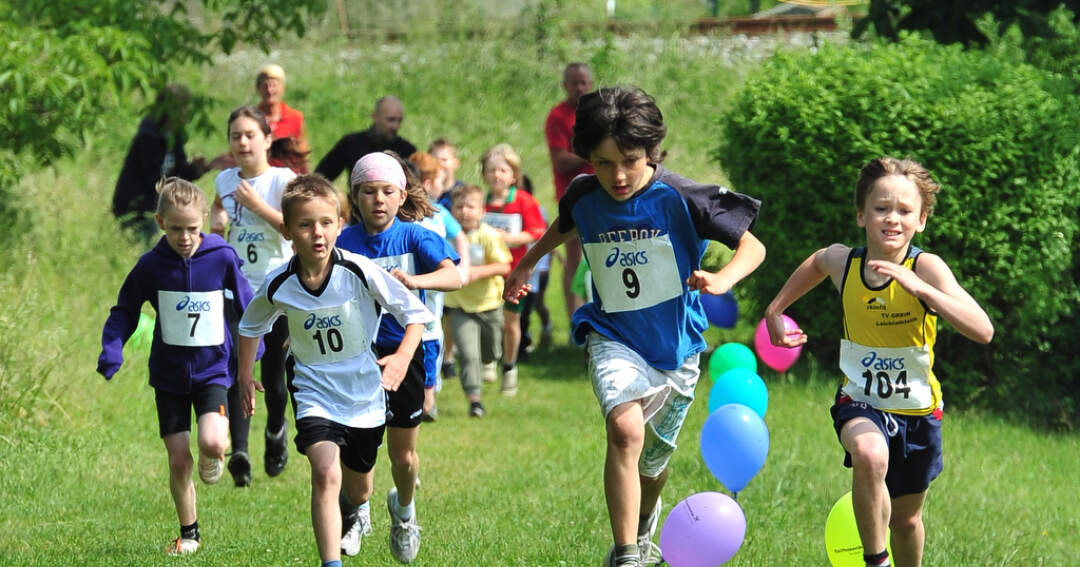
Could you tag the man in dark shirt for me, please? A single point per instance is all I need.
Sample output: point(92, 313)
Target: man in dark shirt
point(382, 135)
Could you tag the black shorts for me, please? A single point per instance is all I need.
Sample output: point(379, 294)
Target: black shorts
point(359, 447)
point(405, 405)
point(914, 444)
point(174, 410)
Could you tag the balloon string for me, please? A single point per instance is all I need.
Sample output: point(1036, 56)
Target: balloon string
point(736, 496)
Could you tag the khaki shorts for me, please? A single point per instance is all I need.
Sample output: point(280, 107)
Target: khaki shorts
point(620, 375)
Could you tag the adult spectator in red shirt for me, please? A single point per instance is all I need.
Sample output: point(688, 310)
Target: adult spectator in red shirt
point(565, 165)
point(286, 123)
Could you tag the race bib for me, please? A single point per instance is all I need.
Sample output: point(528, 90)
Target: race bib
point(192, 318)
point(328, 335)
point(259, 249)
point(404, 262)
point(634, 275)
point(895, 379)
point(507, 222)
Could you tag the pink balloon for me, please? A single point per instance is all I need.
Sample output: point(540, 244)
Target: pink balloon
point(775, 357)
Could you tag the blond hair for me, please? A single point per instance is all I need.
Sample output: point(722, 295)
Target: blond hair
point(507, 153)
point(174, 193)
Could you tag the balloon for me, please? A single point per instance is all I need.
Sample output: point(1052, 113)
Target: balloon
point(144, 332)
point(739, 386)
point(775, 357)
point(704, 530)
point(734, 444)
point(731, 355)
point(842, 542)
point(721, 310)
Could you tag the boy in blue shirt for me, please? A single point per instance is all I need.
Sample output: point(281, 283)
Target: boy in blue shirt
point(643, 230)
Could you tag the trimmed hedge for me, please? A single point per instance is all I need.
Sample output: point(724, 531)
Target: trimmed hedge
point(1002, 139)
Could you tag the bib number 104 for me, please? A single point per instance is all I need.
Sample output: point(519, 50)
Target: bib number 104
point(333, 341)
point(885, 386)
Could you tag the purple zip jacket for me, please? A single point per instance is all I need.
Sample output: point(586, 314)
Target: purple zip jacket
point(177, 369)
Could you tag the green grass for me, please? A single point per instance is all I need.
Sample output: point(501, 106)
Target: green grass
point(83, 475)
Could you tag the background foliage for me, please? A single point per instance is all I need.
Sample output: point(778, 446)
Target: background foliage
point(1000, 137)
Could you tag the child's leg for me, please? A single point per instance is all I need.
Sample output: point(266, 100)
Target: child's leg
point(404, 461)
point(180, 484)
point(272, 371)
point(213, 435)
point(325, 485)
point(908, 533)
point(622, 484)
point(465, 328)
point(869, 496)
point(511, 337)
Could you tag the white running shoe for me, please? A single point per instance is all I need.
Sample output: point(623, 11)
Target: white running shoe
point(181, 546)
point(609, 561)
point(404, 534)
point(510, 382)
point(650, 552)
point(488, 372)
point(211, 469)
point(350, 542)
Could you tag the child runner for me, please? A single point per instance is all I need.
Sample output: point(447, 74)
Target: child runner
point(446, 153)
point(186, 277)
point(432, 177)
point(421, 260)
point(643, 230)
point(516, 215)
point(475, 311)
point(888, 409)
point(247, 202)
point(333, 300)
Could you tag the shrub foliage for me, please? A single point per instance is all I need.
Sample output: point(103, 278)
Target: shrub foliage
point(1001, 138)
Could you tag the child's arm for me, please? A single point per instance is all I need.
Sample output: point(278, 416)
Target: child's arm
point(250, 199)
point(219, 217)
point(122, 322)
point(749, 254)
point(827, 262)
point(461, 246)
point(934, 283)
point(517, 283)
point(245, 381)
point(395, 365)
point(444, 278)
point(481, 271)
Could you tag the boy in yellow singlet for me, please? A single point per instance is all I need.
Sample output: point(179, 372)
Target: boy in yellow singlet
point(887, 412)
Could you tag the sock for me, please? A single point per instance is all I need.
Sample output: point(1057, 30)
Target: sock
point(348, 509)
point(190, 532)
point(877, 559)
point(332, 563)
point(626, 554)
point(404, 512)
point(508, 366)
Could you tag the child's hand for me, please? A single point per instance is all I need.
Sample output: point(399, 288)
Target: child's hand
point(394, 367)
point(780, 335)
point(404, 278)
point(708, 282)
point(517, 285)
point(907, 279)
point(247, 196)
point(247, 393)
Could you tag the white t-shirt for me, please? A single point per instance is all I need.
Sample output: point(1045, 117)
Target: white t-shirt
point(331, 331)
point(259, 244)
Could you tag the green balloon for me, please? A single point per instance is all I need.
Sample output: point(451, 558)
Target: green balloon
point(144, 332)
point(731, 355)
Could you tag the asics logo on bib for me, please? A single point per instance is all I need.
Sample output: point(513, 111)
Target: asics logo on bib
point(245, 236)
point(631, 258)
point(192, 306)
point(321, 322)
point(872, 360)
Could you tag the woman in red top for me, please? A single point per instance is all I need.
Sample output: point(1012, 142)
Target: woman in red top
point(286, 123)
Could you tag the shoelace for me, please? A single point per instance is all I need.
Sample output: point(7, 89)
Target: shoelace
point(651, 554)
point(407, 530)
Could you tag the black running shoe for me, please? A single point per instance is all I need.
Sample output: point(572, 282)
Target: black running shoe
point(277, 451)
point(240, 468)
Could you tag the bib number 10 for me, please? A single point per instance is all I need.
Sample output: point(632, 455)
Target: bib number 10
point(885, 387)
point(333, 341)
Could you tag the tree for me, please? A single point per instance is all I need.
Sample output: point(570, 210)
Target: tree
point(68, 62)
point(957, 22)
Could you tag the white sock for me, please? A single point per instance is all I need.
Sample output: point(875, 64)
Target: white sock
point(404, 512)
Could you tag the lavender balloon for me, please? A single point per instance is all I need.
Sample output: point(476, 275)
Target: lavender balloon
point(704, 530)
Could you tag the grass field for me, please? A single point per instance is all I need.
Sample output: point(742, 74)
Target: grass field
point(83, 475)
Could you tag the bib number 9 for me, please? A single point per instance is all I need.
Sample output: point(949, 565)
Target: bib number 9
point(885, 386)
point(630, 280)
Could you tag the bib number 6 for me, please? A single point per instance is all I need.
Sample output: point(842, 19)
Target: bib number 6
point(252, 253)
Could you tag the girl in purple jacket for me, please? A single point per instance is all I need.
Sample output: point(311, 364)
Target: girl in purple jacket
point(192, 280)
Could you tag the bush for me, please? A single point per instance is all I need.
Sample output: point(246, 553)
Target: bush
point(1001, 138)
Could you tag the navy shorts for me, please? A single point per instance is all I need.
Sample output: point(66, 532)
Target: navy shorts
point(914, 444)
point(174, 410)
point(431, 360)
point(405, 405)
point(359, 447)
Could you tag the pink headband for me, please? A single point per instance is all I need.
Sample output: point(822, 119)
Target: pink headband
point(378, 167)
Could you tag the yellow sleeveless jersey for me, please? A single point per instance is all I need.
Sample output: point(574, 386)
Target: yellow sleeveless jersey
point(887, 353)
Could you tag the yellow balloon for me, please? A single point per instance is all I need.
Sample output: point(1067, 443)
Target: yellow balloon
point(842, 541)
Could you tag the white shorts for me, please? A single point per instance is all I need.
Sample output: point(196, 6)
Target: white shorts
point(621, 375)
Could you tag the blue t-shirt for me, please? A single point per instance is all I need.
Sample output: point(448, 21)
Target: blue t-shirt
point(641, 251)
point(406, 246)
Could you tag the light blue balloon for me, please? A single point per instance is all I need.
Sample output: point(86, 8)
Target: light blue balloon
point(740, 386)
point(734, 444)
